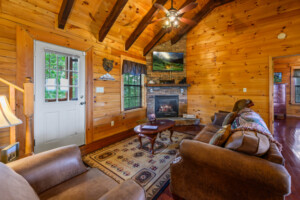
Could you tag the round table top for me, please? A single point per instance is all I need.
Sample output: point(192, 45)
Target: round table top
point(163, 125)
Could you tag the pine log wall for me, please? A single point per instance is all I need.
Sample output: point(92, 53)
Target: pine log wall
point(283, 65)
point(39, 20)
point(229, 50)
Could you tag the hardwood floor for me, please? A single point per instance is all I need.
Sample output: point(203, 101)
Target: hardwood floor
point(287, 132)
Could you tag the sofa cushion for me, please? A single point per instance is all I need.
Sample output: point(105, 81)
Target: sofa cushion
point(221, 136)
point(248, 142)
point(90, 185)
point(274, 155)
point(219, 118)
point(14, 186)
point(207, 133)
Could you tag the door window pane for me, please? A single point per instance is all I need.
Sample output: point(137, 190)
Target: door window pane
point(61, 77)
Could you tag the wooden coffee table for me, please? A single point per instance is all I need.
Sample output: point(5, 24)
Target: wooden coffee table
point(152, 134)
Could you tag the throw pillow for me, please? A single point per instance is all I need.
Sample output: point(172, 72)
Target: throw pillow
point(229, 118)
point(219, 118)
point(248, 142)
point(221, 136)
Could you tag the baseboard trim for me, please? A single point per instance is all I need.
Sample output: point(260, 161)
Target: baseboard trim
point(88, 148)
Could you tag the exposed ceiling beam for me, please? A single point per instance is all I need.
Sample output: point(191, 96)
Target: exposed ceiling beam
point(110, 20)
point(162, 32)
point(143, 24)
point(211, 4)
point(155, 40)
point(64, 12)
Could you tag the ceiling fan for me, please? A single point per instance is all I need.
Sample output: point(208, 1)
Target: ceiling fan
point(173, 16)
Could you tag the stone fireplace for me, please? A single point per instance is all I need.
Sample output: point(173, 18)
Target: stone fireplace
point(166, 101)
point(166, 106)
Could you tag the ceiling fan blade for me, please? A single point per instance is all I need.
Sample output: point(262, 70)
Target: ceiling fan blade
point(157, 20)
point(159, 6)
point(187, 21)
point(187, 8)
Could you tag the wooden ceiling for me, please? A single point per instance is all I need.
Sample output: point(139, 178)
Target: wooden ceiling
point(123, 21)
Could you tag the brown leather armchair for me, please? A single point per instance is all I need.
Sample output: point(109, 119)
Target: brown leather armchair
point(61, 174)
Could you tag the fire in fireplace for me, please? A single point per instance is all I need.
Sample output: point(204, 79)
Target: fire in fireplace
point(166, 106)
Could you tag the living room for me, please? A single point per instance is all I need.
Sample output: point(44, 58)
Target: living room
point(144, 91)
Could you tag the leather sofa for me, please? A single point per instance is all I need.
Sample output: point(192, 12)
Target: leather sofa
point(60, 174)
point(204, 171)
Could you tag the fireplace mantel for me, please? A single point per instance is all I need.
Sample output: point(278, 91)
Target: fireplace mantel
point(168, 85)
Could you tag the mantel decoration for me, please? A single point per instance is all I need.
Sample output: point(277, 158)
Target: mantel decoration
point(108, 66)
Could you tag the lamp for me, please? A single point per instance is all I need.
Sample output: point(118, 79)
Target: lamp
point(7, 117)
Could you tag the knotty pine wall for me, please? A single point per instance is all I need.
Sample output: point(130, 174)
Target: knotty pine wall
point(107, 106)
point(229, 50)
point(283, 65)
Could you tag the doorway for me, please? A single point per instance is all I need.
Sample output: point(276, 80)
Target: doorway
point(59, 107)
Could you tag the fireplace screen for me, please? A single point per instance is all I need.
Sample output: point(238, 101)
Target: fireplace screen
point(166, 106)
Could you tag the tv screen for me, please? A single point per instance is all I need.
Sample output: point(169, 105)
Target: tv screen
point(167, 61)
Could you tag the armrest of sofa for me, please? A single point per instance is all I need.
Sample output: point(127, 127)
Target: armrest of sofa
point(127, 190)
point(235, 164)
point(50, 168)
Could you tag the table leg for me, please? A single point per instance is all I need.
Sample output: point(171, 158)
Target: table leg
point(152, 144)
point(140, 139)
point(160, 135)
point(171, 133)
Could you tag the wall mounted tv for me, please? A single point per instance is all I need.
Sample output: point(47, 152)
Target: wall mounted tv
point(167, 61)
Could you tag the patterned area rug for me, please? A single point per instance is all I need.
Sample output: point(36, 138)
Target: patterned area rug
point(124, 160)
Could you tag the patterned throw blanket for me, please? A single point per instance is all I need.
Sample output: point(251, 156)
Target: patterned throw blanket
point(248, 120)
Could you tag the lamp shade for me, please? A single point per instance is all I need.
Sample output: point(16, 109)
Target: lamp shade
point(7, 117)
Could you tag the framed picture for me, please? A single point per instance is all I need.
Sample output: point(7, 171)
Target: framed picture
point(277, 77)
point(10, 153)
point(167, 61)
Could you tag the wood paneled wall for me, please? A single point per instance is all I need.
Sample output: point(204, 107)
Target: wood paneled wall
point(39, 23)
point(229, 50)
point(283, 65)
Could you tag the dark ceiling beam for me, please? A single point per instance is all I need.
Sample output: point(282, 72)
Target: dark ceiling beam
point(64, 12)
point(162, 32)
point(110, 20)
point(143, 24)
point(154, 41)
point(211, 4)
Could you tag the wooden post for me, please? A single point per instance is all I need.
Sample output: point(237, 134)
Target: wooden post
point(12, 102)
point(28, 112)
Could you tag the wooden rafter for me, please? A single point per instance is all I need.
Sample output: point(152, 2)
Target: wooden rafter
point(110, 20)
point(212, 4)
point(143, 24)
point(162, 32)
point(64, 12)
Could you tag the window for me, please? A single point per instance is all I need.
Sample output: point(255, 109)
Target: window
point(61, 77)
point(295, 85)
point(132, 91)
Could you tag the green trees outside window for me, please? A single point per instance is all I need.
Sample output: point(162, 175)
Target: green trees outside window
point(132, 91)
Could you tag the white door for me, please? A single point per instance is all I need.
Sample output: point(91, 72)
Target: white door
point(59, 110)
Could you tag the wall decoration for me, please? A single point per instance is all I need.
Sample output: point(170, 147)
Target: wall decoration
point(167, 61)
point(108, 66)
point(277, 77)
point(10, 153)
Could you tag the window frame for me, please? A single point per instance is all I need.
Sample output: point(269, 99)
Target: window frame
point(143, 89)
point(293, 88)
point(140, 96)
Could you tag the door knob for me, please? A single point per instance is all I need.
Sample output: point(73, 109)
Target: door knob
point(82, 103)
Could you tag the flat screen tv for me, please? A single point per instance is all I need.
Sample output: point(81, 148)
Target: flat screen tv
point(167, 61)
